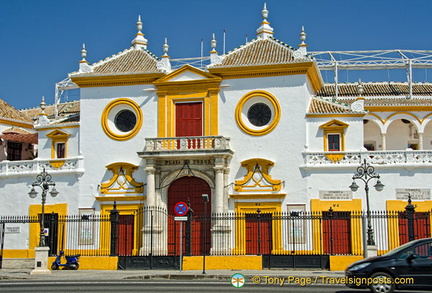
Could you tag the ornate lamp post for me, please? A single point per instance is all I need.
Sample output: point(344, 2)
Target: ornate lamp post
point(43, 180)
point(366, 172)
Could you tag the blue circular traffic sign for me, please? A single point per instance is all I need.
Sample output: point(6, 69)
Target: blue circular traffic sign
point(181, 209)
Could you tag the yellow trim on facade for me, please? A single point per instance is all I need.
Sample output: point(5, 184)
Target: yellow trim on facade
point(121, 179)
point(34, 237)
point(310, 69)
point(334, 127)
point(421, 108)
point(126, 209)
point(58, 136)
point(57, 164)
point(313, 115)
point(243, 208)
point(205, 90)
point(105, 114)
point(258, 196)
point(239, 113)
point(261, 168)
point(231, 262)
point(120, 198)
point(401, 113)
point(354, 205)
point(393, 222)
point(16, 123)
point(115, 80)
point(56, 127)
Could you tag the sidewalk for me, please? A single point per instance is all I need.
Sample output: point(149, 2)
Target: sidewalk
point(88, 275)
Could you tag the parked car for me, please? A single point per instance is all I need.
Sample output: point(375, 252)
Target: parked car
point(406, 267)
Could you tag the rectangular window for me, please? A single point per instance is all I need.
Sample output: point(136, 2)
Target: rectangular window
point(60, 150)
point(14, 150)
point(333, 142)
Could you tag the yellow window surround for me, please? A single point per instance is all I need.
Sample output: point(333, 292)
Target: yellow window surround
point(171, 90)
point(122, 180)
point(257, 178)
point(58, 136)
point(334, 127)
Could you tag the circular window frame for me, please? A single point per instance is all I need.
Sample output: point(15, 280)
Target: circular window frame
point(248, 101)
point(110, 112)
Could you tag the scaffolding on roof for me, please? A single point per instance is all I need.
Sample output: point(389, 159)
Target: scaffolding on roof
point(326, 60)
point(373, 60)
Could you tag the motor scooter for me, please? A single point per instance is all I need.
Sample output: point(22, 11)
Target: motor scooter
point(71, 262)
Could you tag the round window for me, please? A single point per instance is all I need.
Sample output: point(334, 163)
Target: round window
point(259, 114)
point(122, 119)
point(125, 120)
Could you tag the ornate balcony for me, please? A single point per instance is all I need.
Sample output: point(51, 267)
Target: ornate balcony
point(187, 146)
point(390, 159)
point(31, 167)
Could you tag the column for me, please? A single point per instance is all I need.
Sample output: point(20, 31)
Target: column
point(383, 141)
point(420, 141)
point(220, 225)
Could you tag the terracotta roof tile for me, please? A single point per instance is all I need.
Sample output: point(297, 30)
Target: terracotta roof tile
point(28, 138)
point(9, 112)
point(258, 52)
point(376, 89)
point(322, 106)
point(64, 110)
point(127, 62)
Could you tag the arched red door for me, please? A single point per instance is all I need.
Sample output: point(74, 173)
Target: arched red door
point(190, 191)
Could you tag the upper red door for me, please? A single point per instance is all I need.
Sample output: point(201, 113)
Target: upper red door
point(189, 119)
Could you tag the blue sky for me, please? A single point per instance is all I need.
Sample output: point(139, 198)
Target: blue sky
point(41, 39)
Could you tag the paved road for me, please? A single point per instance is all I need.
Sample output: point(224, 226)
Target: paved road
point(159, 286)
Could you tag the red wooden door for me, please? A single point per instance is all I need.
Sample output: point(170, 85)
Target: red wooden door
point(189, 190)
point(189, 119)
point(126, 234)
point(421, 222)
point(258, 233)
point(337, 232)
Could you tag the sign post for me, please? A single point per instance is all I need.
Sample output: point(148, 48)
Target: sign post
point(181, 209)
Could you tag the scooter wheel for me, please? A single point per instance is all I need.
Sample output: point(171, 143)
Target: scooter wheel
point(74, 266)
point(54, 266)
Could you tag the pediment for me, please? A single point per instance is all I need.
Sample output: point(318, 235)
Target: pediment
point(187, 73)
point(58, 134)
point(334, 123)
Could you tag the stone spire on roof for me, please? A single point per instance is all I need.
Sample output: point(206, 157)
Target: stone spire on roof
point(83, 64)
point(303, 46)
point(43, 119)
point(214, 57)
point(265, 30)
point(139, 41)
point(164, 64)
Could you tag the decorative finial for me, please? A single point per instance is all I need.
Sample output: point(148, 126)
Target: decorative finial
point(43, 119)
point(213, 44)
point(165, 48)
point(43, 104)
point(265, 30)
point(302, 47)
point(264, 12)
point(302, 37)
point(139, 24)
point(139, 41)
point(83, 54)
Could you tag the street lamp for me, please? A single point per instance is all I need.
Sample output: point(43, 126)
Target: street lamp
point(43, 180)
point(366, 172)
point(205, 200)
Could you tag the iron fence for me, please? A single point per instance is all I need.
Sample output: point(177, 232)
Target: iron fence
point(154, 232)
